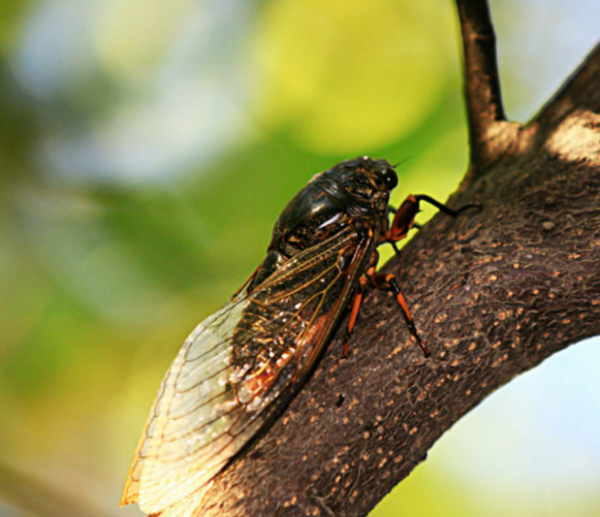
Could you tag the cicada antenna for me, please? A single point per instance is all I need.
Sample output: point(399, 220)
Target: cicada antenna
point(400, 162)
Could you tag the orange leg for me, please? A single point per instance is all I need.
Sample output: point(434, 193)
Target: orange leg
point(356, 303)
point(403, 220)
point(388, 282)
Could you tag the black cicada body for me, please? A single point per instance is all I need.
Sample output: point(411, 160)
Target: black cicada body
point(243, 363)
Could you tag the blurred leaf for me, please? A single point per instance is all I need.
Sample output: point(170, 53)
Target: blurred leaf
point(11, 13)
point(351, 79)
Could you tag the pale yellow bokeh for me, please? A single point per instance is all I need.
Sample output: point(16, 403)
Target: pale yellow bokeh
point(345, 76)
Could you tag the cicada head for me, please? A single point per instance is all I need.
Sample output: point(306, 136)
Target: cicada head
point(362, 185)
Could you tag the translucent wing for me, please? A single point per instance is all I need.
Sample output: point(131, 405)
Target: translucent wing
point(221, 387)
point(193, 409)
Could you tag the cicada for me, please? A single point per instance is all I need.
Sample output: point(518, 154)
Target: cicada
point(241, 365)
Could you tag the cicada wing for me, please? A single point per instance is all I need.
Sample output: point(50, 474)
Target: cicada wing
point(196, 423)
point(212, 401)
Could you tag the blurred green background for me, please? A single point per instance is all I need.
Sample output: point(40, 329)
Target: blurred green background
point(146, 150)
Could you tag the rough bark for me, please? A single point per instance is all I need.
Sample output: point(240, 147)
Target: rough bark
point(493, 294)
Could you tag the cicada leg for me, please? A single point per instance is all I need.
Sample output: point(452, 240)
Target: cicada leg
point(356, 303)
point(404, 218)
point(388, 282)
point(360, 289)
point(385, 282)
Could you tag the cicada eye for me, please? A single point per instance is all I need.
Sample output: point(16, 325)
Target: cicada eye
point(390, 179)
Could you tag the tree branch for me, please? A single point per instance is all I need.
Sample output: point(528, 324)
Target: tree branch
point(490, 135)
point(493, 294)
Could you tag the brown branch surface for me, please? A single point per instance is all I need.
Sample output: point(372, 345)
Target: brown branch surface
point(493, 294)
